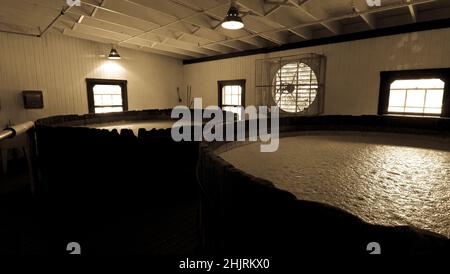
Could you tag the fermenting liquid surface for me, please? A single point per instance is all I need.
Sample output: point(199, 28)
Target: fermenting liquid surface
point(134, 126)
point(388, 179)
point(147, 125)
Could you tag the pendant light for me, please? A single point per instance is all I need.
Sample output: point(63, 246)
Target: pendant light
point(232, 21)
point(114, 54)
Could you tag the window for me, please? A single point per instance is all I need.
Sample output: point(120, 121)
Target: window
point(422, 96)
point(107, 95)
point(415, 92)
point(232, 96)
point(295, 87)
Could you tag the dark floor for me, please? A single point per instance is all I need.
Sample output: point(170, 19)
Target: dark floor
point(16, 178)
point(24, 229)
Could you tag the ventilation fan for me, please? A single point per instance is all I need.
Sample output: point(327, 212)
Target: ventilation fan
point(293, 83)
point(287, 88)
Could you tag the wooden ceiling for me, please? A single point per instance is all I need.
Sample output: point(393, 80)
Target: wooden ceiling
point(189, 29)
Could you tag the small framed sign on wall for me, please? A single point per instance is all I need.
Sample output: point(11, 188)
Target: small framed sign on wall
point(32, 99)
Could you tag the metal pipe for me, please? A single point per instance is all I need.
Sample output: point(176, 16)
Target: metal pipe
point(5, 134)
point(64, 10)
point(12, 131)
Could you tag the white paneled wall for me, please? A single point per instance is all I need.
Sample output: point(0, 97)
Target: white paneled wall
point(353, 68)
point(58, 65)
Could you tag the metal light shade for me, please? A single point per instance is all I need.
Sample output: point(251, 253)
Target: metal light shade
point(113, 54)
point(232, 20)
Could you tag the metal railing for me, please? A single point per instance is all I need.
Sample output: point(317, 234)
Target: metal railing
point(12, 131)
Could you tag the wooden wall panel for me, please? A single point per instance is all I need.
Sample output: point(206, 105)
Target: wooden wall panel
point(58, 65)
point(352, 78)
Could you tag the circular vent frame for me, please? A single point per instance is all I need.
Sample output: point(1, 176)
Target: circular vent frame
point(295, 87)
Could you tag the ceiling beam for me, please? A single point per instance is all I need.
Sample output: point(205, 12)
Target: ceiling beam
point(262, 15)
point(257, 6)
point(219, 19)
point(102, 4)
point(157, 26)
point(273, 10)
point(194, 19)
point(250, 27)
point(71, 33)
point(318, 15)
point(413, 12)
point(20, 30)
point(162, 24)
point(246, 29)
point(209, 12)
point(160, 45)
point(253, 25)
point(361, 5)
point(93, 13)
point(63, 11)
point(157, 43)
point(102, 25)
point(175, 20)
point(341, 17)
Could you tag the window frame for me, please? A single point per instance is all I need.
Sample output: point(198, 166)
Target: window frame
point(388, 77)
point(91, 82)
point(239, 82)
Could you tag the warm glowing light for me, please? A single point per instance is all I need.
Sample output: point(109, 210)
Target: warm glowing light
point(417, 84)
point(421, 96)
point(231, 99)
point(111, 67)
point(232, 20)
point(233, 25)
point(108, 109)
point(114, 54)
point(107, 98)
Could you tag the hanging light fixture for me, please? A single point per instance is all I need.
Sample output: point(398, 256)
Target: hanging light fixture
point(232, 20)
point(114, 54)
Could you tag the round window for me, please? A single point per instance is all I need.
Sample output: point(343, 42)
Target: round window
point(295, 87)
